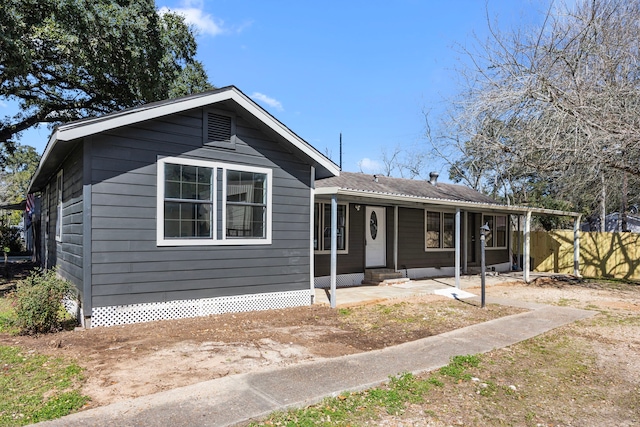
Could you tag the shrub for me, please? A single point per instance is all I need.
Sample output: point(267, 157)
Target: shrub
point(38, 302)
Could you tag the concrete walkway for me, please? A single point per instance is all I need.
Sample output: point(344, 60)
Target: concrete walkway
point(239, 398)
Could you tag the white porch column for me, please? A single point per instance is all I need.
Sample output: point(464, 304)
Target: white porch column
point(334, 247)
point(395, 238)
point(458, 239)
point(312, 225)
point(519, 243)
point(527, 247)
point(576, 246)
point(467, 237)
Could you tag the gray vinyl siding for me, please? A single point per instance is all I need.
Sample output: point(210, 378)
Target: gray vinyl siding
point(353, 261)
point(411, 243)
point(127, 265)
point(66, 254)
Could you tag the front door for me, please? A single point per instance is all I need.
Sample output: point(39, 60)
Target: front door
point(376, 247)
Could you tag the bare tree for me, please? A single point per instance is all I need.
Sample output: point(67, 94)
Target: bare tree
point(559, 103)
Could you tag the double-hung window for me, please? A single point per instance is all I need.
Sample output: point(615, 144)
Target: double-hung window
point(210, 203)
point(497, 238)
point(439, 230)
point(322, 227)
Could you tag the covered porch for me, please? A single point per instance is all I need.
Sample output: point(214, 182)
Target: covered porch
point(458, 257)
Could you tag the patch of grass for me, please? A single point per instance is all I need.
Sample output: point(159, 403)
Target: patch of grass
point(7, 317)
point(457, 369)
point(345, 311)
point(349, 408)
point(357, 407)
point(565, 302)
point(36, 388)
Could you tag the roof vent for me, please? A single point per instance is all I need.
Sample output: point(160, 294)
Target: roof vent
point(375, 178)
point(219, 127)
point(433, 178)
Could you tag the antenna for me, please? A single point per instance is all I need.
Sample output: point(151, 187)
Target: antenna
point(340, 150)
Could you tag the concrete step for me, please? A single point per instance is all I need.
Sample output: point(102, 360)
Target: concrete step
point(383, 276)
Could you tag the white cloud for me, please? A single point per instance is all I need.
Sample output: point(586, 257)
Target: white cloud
point(3, 104)
point(271, 102)
point(194, 14)
point(368, 165)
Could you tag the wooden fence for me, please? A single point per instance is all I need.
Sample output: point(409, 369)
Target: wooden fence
point(615, 255)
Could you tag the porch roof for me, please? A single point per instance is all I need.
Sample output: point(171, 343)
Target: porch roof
point(410, 191)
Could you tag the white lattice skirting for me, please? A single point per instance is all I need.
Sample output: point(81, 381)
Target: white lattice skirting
point(342, 280)
point(137, 313)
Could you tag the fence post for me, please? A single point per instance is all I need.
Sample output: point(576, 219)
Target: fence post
point(576, 246)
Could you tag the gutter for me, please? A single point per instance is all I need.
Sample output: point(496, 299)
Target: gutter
point(327, 191)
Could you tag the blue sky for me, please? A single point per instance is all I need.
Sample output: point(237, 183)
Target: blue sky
point(366, 69)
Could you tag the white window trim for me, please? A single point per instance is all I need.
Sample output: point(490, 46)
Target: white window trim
point(441, 249)
point(497, 248)
point(321, 231)
point(215, 240)
point(59, 205)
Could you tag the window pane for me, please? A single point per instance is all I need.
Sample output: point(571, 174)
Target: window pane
point(448, 231)
point(187, 182)
point(501, 231)
point(172, 190)
point(489, 241)
point(246, 221)
point(433, 229)
point(247, 187)
point(185, 220)
point(189, 191)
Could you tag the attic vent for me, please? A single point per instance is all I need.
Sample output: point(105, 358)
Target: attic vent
point(219, 128)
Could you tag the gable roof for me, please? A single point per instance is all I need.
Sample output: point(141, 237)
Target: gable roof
point(386, 188)
point(86, 127)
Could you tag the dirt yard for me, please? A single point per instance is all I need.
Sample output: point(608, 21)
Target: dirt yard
point(128, 361)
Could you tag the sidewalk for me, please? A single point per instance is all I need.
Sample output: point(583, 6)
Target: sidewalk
point(240, 398)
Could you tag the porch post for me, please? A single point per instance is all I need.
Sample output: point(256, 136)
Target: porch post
point(457, 235)
point(519, 242)
point(395, 237)
point(527, 247)
point(576, 246)
point(312, 225)
point(334, 247)
point(465, 264)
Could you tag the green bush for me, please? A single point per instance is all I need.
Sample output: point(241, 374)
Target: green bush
point(38, 302)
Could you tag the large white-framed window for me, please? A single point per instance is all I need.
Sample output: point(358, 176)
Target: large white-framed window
point(202, 202)
point(497, 238)
point(59, 202)
point(322, 227)
point(439, 230)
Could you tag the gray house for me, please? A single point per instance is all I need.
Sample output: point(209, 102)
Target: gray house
point(180, 208)
point(207, 204)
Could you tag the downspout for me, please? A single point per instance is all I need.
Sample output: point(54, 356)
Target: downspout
point(312, 261)
point(457, 236)
point(87, 251)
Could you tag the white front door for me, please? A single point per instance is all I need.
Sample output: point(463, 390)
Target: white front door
point(376, 249)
